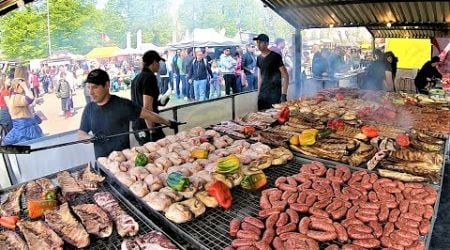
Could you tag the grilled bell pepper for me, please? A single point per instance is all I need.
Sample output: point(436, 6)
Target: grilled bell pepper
point(283, 116)
point(370, 131)
point(308, 137)
point(50, 196)
point(294, 140)
point(199, 154)
point(336, 124)
point(228, 165)
point(254, 182)
point(36, 208)
point(177, 181)
point(403, 140)
point(221, 193)
point(9, 222)
point(141, 160)
point(248, 130)
point(324, 133)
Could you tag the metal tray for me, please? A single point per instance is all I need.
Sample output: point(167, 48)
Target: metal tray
point(112, 242)
point(210, 230)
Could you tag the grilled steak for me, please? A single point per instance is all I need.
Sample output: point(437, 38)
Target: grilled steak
point(65, 225)
point(40, 236)
point(11, 205)
point(154, 240)
point(35, 190)
point(69, 186)
point(126, 225)
point(9, 240)
point(88, 179)
point(94, 219)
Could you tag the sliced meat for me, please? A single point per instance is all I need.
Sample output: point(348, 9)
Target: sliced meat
point(10, 240)
point(40, 236)
point(11, 205)
point(125, 224)
point(65, 225)
point(94, 219)
point(69, 186)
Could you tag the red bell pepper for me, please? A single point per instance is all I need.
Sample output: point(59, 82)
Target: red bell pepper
point(283, 116)
point(9, 222)
point(402, 140)
point(221, 193)
point(370, 131)
point(248, 130)
point(336, 124)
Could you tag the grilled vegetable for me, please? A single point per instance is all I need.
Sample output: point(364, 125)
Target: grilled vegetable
point(221, 193)
point(50, 196)
point(199, 154)
point(177, 181)
point(336, 124)
point(9, 222)
point(369, 131)
point(308, 137)
point(248, 130)
point(254, 182)
point(294, 140)
point(36, 208)
point(228, 165)
point(141, 160)
point(324, 133)
point(283, 116)
point(402, 140)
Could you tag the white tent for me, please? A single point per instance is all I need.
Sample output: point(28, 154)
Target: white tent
point(204, 38)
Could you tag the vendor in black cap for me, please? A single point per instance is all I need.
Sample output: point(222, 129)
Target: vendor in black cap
point(145, 93)
point(426, 74)
point(273, 79)
point(109, 114)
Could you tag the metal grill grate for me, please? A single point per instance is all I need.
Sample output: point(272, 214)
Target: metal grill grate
point(112, 242)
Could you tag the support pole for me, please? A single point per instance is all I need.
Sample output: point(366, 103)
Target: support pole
point(297, 74)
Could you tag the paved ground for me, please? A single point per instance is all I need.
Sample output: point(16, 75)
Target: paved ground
point(54, 123)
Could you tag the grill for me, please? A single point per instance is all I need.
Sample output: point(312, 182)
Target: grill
point(210, 230)
point(112, 242)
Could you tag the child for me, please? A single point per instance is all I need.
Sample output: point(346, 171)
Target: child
point(215, 81)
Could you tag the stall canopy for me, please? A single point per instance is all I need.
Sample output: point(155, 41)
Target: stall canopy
point(204, 38)
point(103, 52)
point(383, 18)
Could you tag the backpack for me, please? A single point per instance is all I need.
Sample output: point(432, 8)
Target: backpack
point(162, 68)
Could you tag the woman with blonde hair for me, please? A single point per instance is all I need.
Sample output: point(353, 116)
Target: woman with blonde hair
point(25, 125)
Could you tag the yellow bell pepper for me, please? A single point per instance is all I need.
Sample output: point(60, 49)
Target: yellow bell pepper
point(308, 137)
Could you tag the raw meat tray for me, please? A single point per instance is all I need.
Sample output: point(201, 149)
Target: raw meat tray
point(210, 230)
point(112, 242)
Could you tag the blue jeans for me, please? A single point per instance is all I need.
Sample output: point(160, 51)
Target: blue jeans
point(190, 92)
point(214, 90)
point(252, 83)
point(184, 84)
point(200, 90)
point(178, 90)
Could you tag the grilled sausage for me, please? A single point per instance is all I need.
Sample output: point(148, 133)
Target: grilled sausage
point(338, 213)
point(277, 243)
point(428, 212)
point(254, 221)
point(242, 243)
point(271, 220)
point(279, 181)
point(377, 229)
point(282, 220)
point(242, 234)
point(318, 212)
point(351, 221)
point(388, 229)
point(286, 228)
point(367, 243)
point(384, 213)
point(323, 226)
point(342, 235)
point(293, 215)
point(424, 227)
point(303, 208)
point(267, 212)
point(304, 225)
point(234, 227)
point(393, 215)
point(249, 227)
point(321, 236)
point(268, 235)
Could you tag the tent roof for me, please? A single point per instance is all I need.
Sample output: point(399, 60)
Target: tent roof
point(103, 52)
point(204, 38)
point(408, 19)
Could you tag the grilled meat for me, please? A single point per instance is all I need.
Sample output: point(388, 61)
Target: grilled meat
point(129, 244)
point(418, 168)
point(154, 241)
point(157, 201)
point(88, 179)
point(11, 205)
point(94, 219)
point(179, 213)
point(40, 236)
point(126, 225)
point(364, 153)
point(400, 176)
point(35, 190)
point(69, 186)
point(416, 155)
point(65, 225)
point(10, 240)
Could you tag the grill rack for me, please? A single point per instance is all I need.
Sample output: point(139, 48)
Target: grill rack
point(112, 242)
point(210, 230)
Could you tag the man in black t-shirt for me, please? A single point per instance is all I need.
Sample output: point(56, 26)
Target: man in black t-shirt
point(273, 79)
point(145, 93)
point(109, 114)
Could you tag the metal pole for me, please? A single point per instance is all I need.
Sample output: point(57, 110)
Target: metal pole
point(297, 62)
point(49, 39)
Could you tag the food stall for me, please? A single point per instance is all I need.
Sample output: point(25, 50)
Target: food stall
point(340, 169)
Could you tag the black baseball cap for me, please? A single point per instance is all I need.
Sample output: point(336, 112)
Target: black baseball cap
point(151, 56)
point(262, 38)
point(97, 77)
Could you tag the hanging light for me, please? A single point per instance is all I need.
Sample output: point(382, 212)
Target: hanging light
point(389, 24)
point(331, 25)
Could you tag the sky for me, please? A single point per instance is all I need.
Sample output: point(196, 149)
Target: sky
point(101, 3)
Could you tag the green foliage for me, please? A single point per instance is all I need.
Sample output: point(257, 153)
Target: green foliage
point(77, 25)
